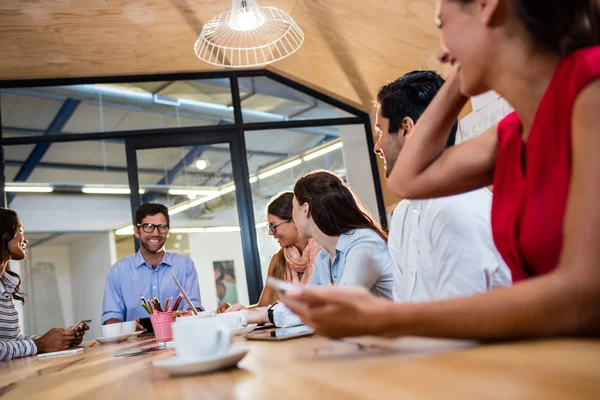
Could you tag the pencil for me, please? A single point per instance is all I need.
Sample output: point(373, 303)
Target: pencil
point(145, 307)
point(145, 301)
point(177, 302)
point(167, 304)
point(157, 304)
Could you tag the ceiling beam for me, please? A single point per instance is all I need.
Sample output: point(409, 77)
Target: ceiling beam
point(216, 149)
point(60, 120)
point(112, 169)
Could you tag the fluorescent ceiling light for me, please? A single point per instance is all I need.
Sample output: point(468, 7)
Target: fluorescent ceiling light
point(253, 179)
point(127, 230)
point(279, 169)
point(261, 225)
point(192, 192)
point(178, 209)
point(227, 190)
point(105, 190)
point(29, 189)
point(218, 229)
point(323, 151)
point(204, 199)
point(187, 230)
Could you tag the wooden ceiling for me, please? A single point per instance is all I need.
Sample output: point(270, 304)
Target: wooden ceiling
point(352, 47)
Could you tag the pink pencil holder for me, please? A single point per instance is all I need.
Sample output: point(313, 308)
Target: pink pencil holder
point(161, 323)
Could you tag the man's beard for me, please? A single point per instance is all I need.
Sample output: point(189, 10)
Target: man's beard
point(147, 248)
point(390, 158)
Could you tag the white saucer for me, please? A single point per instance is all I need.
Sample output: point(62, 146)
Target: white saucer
point(113, 339)
point(176, 366)
point(243, 330)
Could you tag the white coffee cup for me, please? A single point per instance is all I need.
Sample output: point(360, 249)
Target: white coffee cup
point(200, 338)
point(235, 319)
point(111, 330)
point(128, 327)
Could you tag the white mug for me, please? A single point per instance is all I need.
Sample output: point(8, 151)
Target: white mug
point(198, 338)
point(128, 327)
point(111, 330)
point(235, 319)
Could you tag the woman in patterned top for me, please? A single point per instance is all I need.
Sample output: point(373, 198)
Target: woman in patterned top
point(13, 246)
point(295, 259)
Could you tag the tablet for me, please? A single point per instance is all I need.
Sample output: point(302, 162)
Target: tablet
point(281, 333)
point(61, 353)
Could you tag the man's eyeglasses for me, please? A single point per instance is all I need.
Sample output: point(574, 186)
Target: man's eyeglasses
point(273, 228)
point(149, 228)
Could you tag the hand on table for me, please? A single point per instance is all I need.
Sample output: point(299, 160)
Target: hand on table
point(231, 308)
point(55, 339)
point(138, 326)
point(223, 307)
point(338, 312)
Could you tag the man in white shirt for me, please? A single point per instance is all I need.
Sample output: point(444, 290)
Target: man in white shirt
point(441, 248)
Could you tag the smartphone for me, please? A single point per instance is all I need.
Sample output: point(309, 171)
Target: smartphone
point(279, 285)
point(79, 326)
point(147, 324)
point(282, 333)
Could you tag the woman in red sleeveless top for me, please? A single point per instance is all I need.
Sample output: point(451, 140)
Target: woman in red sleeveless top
point(544, 162)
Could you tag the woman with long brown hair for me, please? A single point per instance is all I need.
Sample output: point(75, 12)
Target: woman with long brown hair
point(13, 344)
point(295, 259)
point(354, 246)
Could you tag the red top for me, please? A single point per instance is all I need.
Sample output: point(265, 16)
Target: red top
point(531, 179)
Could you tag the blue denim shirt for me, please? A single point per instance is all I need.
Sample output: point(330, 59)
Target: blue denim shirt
point(361, 259)
point(132, 277)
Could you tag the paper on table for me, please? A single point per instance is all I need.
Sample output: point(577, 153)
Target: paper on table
point(61, 353)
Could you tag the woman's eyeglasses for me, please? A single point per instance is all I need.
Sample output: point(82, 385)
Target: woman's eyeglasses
point(149, 228)
point(273, 228)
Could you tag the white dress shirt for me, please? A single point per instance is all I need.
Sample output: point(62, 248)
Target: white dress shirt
point(443, 248)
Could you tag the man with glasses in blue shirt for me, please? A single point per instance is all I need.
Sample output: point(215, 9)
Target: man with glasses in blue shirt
point(148, 272)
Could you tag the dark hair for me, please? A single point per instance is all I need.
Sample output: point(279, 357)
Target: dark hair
point(409, 96)
point(280, 206)
point(8, 230)
point(151, 209)
point(561, 26)
point(333, 206)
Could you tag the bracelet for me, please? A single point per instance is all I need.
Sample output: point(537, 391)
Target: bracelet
point(270, 313)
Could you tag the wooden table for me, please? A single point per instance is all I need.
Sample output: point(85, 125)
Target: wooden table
point(318, 368)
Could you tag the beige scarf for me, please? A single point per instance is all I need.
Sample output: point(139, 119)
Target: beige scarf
point(297, 263)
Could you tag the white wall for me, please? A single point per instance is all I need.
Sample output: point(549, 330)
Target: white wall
point(46, 278)
point(358, 165)
point(267, 246)
point(72, 213)
point(91, 257)
point(218, 246)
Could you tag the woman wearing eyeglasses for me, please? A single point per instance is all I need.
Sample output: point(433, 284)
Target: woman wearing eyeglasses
point(13, 344)
point(354, 251)
point(294, 261)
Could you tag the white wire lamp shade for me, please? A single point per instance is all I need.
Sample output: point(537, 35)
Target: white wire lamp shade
point(248, 36)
